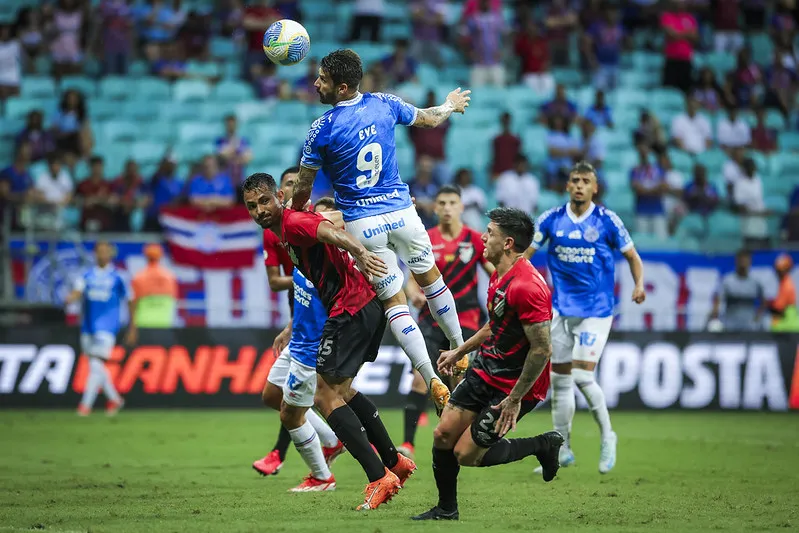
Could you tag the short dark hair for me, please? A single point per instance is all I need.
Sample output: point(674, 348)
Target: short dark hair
point(449, 189)
point(743, 252)
point(291, 170)
point(514, 223)
point(93, 160)
point(326, 201)
point(260, 180)
point(343, 66)
point(583, 167)
point(54, 157)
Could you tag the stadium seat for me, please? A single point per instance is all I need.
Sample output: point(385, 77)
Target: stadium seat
point(692, 226)
point(233, 91)
point(637, 80)
point(568, 77)
point(100, 109)
point(37, 87)
point(19, 107)
point(152, 89)
point(291, 112)
point(190, 90)
point(223, 48)
point(85, 85)
point(189, 132)
point(214, 112)
point(713, 160)
point(665, 98)
point(193, 151)
point(147, 152)
point(138, 109)
point(254, 111)
point(138, 69)
point(722, 224)
point(121, 130)
point(622, 199)
point(628, 98)
point(117, 88)
point(682, 161)
point(789, 141)
point(10, 127)
point(161, 130)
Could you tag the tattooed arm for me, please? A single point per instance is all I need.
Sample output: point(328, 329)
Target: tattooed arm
point(303, 187)
point(430, 117)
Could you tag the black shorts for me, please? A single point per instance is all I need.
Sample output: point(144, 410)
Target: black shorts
point(473, 394)
point(435, 340)
point(349, 341)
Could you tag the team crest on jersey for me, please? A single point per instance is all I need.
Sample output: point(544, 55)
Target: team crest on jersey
point(591, 234)
point(465, 251)
point(498, 303)
point(538, 237)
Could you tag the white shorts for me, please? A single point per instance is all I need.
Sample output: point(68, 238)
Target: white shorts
point(297, 380)
point(99, 344)
point(579, 339)
point(400, 233)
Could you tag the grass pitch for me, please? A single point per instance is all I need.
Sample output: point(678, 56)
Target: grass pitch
point(156, 471)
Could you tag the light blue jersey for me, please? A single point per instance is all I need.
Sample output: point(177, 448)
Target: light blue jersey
point(581, 258)
point(354, 144)
point(309, 319)
point(104, 291)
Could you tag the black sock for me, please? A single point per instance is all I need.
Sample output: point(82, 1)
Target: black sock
point(417, 403)
point(510, 450)
point(352, 434)
point(283, 442)
point(367, 413)
point(445, 470)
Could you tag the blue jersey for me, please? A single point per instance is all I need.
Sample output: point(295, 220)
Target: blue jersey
point(104, 291)
point(581, 258)
point(309, 319)
point(354, 144)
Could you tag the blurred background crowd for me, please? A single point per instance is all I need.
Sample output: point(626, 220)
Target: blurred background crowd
point(112, 109)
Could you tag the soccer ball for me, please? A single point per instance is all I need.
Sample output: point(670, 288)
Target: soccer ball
point(286, 42)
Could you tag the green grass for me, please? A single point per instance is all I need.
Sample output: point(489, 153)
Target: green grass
point(154, 471)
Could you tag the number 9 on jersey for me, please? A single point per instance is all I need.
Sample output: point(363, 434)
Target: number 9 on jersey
point(370, 160)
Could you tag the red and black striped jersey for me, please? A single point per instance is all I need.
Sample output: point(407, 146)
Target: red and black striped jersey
point(519, 297)
point(458, 260)
point(341, 286)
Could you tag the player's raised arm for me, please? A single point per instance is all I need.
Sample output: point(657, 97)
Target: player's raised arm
point(637, 271)
point(368, 263)
point(303, 188)
point(430, 117)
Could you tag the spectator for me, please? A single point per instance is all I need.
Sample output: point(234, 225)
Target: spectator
point(532, 49)
point(231, 13)
point(304, 88)
point(98, 201)
point(116, 36)
point(471, 7)
point(681, 32)
point(211, 188)
point(10, 62)
point(743, 84)
point(700, 196)
point(782, 21)
point(790, 223)
point(518, 187)
point(429, 26)
point(486, 35)
point(40, 140)
point(266, 83)
point(780, 87)
point(195, 35)
point(707, 91)
point(424, 189)
point(603, 46)
point(559, 107)
point(71, 130)
point(691, 131)
point(748, 201)
point(732, 131)
point(399, 67)
point(159, 23)
point(591, 13)
point(732, 170)
point(289, 9)
point(649, 185)
point(165, 190)
point(599, 113)
point(728, 37)
point(69, 25)
point(473, 198)
point(754, 14)
point(649, 132)
point(506, 147)
point(593, 148)
point(234, 151)
point(740, 296)
point(257, 17)
point(431, 142)
point(675, 181)
point(764, 139)
point(368, 16)
point(16, 184)
point(54, 182)
point(560, 21)
point(29, 33)
point(562, 149)
point(170, 64)
point(131, 193)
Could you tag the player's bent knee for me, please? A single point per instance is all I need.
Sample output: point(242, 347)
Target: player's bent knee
point(443, 438)
point(427, 278)
point(272, 395)
point(583, 377)
point(292, 417)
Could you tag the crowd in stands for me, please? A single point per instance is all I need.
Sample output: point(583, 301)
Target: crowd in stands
point(734, 61)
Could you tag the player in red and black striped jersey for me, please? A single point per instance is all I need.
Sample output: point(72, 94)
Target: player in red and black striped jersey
point(509, 375)
point(327, 256)
point(458, 251)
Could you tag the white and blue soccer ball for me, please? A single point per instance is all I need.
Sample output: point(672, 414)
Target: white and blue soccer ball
point(286, 42)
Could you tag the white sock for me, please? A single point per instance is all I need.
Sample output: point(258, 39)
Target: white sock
point(93, 383)
point(442, 308)
point(410, 338)
point(563, 405)
point(307, 443)
point(108, 387)
point(326, 435)
point(595, 398)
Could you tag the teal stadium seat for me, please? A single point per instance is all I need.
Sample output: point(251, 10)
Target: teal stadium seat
point(724, 224)
point(190, 90)
point(620, 200)
point(38, 87)
point(138, 110)
point(85, 85)
point(713, 160)
point(223, 48)
point(199, 132)
point(20, 106)
point(117, 88)
point(254, 111)
point(10, 127)
point(692, 226)
point(138, 69)
point(665, 98)
point(789, 141)
point(214, 111)
point(568, 77)
point(100, 109)
point(233, 91)
point(193, 152)
point(205, 69)
point(682, 161)
point(161, 130)
point(629, 98)
point(121, 130)
point(291, 113)
point(153, 89)
point(147, 152)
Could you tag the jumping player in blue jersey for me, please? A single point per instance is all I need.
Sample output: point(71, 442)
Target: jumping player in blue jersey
point(582, 240)
point(354, 145)
point(103, 291)
point(291, 385)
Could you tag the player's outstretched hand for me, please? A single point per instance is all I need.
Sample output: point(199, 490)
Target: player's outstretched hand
point(459, 100)
point(639, 295)
point(447, 360)
point(371, 265)
point(509, 412)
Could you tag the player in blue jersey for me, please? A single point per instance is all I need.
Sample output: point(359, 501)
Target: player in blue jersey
point(291, 385)
point(583, 238)
point(354, 145)
point(103, 291)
